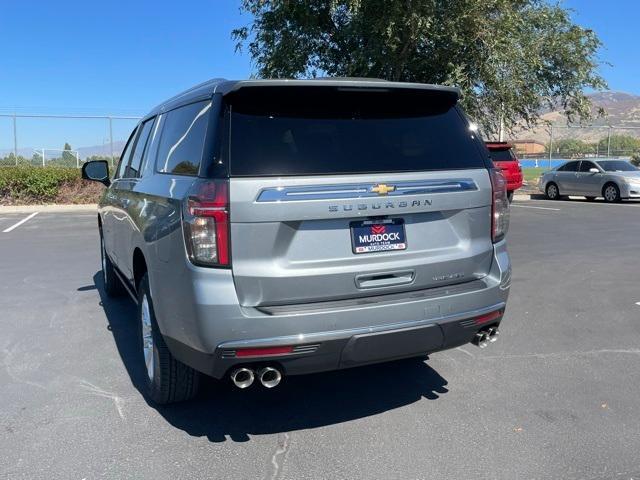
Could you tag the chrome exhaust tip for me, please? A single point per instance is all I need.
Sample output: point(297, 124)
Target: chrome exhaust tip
point(242, 377)
point(269, 377)
point(493, 334)
point(481, 339)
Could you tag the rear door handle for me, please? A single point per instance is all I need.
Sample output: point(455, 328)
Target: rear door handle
point(385, 279)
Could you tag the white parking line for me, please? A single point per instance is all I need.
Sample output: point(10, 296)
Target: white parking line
point(16, 225)
point(581, 201)
point(537, 208)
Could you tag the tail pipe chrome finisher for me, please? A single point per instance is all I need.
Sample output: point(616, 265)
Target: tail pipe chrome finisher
point(481, 339)
point(493, 333)
point(242, 377)
point(269, 377)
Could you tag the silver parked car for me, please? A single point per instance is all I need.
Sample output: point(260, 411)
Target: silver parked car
point(612, 179)
point(281, 227)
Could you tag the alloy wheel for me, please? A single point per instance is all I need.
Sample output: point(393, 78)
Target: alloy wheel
point(147, 336)
point(610, 193)
point(103, 260)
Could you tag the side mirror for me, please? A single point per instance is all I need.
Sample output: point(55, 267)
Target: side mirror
point(594, 170)
point(96, 171)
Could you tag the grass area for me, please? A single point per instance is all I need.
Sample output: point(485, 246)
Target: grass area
point(532, 174)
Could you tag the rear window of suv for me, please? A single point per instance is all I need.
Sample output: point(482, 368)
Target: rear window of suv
point(505, 155)
point(329, 131)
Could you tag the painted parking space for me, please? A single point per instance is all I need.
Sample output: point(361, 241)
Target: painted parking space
point(70, 374)
point(20, 222)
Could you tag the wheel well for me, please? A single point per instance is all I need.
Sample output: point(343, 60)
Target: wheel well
point(139, 266)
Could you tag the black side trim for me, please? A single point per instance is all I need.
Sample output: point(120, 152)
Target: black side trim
point(127, 286)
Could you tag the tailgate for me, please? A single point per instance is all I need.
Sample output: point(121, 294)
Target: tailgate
point(292, 238)
point(345, 191)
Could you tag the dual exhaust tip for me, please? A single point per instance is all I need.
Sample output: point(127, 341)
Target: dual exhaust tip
point(244, 377)
point(484, 337)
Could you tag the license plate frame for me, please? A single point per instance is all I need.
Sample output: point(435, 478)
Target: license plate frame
point(392, 227)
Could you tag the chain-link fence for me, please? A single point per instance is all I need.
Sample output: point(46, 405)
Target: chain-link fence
point(62, 140)
point(562, 143)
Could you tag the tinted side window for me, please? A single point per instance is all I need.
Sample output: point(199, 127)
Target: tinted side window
point(149, 158)
point(124, 158)
point(182, 140)
point(569, 167)
point(136, 159)
point(585, 166)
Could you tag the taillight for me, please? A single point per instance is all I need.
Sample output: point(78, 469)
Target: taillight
point(500, 206)
point(205, 220)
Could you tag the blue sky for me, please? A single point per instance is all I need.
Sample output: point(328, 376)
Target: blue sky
point(124, 57)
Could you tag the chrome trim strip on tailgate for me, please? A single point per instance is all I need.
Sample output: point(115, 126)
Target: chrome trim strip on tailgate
point(364, 190)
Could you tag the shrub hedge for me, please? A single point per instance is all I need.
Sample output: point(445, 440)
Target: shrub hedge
point(29, 185)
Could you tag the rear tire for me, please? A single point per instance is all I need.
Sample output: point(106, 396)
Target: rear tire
point(552, 191)
point(510, 196)
point(167, 380)
point(112, 284)
point(611, 193)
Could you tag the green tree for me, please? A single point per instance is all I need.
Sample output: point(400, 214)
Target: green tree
point(68, 158)
point(511, 58)
point(620, 145)
point(571, 147)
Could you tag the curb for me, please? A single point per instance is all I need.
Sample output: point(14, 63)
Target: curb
point(522, 196)
point(90, 207)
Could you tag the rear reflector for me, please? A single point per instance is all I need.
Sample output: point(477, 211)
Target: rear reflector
point(488, 317)
point(264, 351)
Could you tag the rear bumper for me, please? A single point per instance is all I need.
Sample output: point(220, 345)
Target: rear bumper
point(335, 335)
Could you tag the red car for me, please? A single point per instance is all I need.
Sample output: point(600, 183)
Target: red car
point(505, 159)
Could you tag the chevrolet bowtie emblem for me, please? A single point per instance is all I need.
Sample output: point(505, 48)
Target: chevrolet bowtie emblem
point(382, 189)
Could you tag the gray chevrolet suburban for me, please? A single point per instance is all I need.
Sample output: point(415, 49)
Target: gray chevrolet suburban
point(281, 227)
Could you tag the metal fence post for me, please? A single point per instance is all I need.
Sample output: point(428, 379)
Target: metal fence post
point(111, 139)
point(15, 139)
point(550, 145)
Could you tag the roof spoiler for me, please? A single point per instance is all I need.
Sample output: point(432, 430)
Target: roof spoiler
point(344, 84)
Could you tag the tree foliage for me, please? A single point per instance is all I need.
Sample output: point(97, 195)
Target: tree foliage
point(571, 147)
point(511, 56)
point(68, 158)
point(620, 145)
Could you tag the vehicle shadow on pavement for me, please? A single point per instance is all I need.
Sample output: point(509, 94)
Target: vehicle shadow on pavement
point(222, 412)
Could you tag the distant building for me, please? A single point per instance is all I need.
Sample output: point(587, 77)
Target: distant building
point(529, 147)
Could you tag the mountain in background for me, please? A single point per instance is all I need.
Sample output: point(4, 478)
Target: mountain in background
point(621, 110)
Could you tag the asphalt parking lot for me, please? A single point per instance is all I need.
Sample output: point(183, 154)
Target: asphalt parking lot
point(558, 396)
